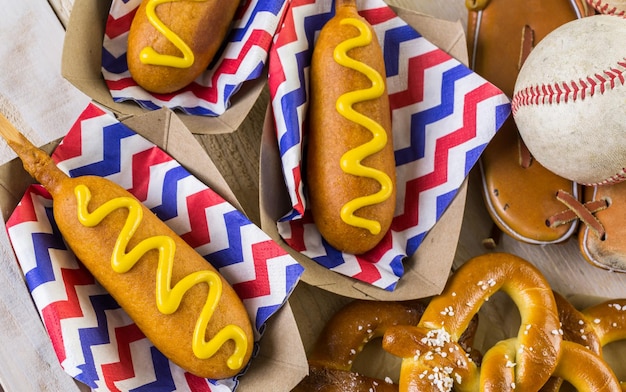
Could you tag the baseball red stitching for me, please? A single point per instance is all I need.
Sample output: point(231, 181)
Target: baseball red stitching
point(619, 177)
point(603, 8)
point(547, 94)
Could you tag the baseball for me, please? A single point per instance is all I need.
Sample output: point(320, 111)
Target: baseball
point(569, 100)
point(609, 7)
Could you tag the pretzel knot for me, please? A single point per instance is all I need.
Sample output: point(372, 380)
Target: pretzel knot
point(345, 335)
point(586, 333)
point(432, 359)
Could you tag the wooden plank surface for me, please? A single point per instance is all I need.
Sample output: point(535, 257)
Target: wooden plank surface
point(23, 341)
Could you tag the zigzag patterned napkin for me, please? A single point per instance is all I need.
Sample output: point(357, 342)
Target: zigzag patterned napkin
point(242, 58)
point(443, 117)
point(95, 341)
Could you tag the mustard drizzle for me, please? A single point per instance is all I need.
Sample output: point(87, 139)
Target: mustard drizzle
point(150, 56)
point(168, 298)
point(351, 161)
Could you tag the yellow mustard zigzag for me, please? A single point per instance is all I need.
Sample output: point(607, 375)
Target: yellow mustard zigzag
point(150, 56)
point(168, 298)
point(351, 160)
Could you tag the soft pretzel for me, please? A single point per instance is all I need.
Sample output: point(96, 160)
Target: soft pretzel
point(322, 379)
point(576, 327)
point(577, 365)
point(585, 370)
point(608, 320)
point(178, 300)
point(345, 335)
point(421, 347)
point(591, 329)
point(430, 351)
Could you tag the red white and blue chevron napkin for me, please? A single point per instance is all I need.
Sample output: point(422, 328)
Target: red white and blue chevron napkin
point(443, 116)
point(95, 341)
point(242, 58)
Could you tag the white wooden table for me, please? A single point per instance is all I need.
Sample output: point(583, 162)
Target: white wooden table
point(28, 361)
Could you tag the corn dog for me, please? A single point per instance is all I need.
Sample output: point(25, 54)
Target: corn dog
point(177, 299)
point(171, 42)
point(350, 166)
